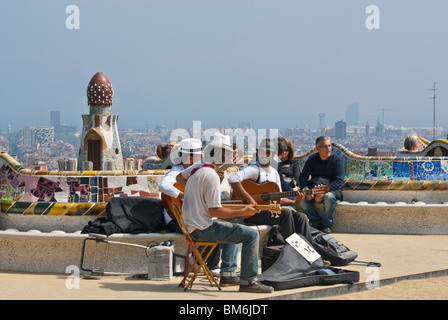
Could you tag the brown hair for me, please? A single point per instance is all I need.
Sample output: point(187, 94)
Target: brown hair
point(290, 149)
point(163, 151)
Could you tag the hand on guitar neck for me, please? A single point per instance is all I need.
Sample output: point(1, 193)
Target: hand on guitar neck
point(253, 193)
point(317, 193)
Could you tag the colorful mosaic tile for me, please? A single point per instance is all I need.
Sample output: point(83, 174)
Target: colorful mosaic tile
point(429, 170)
point(25, 191)
point(401, 170)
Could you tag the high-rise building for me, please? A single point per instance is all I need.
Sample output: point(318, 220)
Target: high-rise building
point(379, 129)
point(322, 123)
point(340, 130)
point(55, 120)
point(352, 114)
point(38, 136)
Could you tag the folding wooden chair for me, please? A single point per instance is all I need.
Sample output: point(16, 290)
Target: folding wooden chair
point(198, 256)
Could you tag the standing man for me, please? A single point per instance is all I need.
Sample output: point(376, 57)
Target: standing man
point(202, 203)
point(325, 168)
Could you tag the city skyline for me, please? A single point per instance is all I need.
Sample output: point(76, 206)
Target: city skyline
point(273, 65)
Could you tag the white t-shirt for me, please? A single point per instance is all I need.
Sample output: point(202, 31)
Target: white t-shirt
point(251, 172)
point(167, 184)
point(202, 192)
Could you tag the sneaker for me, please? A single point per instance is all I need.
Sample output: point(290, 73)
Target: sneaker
point(216, 272)
point(256, 287)
point(327, 230)
point(229, 281)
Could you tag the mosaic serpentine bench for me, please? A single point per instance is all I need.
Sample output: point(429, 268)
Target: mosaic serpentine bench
point(53, 252)
point(43, 211)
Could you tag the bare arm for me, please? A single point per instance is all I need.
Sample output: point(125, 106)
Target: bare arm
point(222, 212)
point(181, 180)
point(238, 188)
point(424, 141)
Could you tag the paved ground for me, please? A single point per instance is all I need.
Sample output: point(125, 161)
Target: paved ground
point(413, 267)
point(424, 289)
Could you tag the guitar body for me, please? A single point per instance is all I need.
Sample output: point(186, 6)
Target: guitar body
point(256, 191)
point(167, 201)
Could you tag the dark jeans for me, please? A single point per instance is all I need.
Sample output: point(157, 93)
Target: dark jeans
point(290, 221)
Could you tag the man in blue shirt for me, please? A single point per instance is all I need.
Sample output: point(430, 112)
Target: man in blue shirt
point(322, 167)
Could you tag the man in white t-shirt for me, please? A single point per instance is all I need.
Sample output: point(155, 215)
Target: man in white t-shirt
point(186, 155)
point(202, 203)
point(290, 221)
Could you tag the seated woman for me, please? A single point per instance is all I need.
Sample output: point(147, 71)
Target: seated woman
point(290, 168)
point(413, 142)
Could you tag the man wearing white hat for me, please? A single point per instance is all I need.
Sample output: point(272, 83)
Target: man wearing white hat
point(186, 155)
point(290, 221)
point(188, 152)
point(202, 202)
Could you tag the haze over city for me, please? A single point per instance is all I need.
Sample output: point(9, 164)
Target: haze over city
point(275, 64)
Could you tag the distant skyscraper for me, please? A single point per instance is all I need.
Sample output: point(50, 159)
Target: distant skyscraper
point(244, 124)
point(379, 129)
point(352, 114)
point(55, 120)
point(322, 122)
point(367, 129)
point(340, 130)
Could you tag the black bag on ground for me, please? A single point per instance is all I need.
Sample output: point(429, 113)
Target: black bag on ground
point(332, 249)
point(275, 237)
point(129, 215)
point(292, 270)
point(269, 256)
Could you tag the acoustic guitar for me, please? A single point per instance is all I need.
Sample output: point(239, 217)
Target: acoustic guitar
point(167, 201)
point(266, 192)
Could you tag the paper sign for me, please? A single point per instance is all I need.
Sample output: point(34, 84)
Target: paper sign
point(302, 247)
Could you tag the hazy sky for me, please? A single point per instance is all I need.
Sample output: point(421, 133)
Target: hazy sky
point(274, 63)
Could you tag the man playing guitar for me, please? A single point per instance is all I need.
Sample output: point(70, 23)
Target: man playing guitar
point(290, 221)
point(322, 167)
point(188, 153)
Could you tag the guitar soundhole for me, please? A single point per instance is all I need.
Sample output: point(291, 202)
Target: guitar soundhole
point(265, 197)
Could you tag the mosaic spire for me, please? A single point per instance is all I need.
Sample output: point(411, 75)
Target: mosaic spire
point(99, 91)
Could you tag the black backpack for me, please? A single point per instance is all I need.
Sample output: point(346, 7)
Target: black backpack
point(332, 249)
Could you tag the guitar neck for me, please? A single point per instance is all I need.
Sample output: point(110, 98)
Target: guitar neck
point(240, 206)
point(286, 194)
point(278, 195)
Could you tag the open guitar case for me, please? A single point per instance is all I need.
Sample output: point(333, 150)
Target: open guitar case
point(292, 270)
